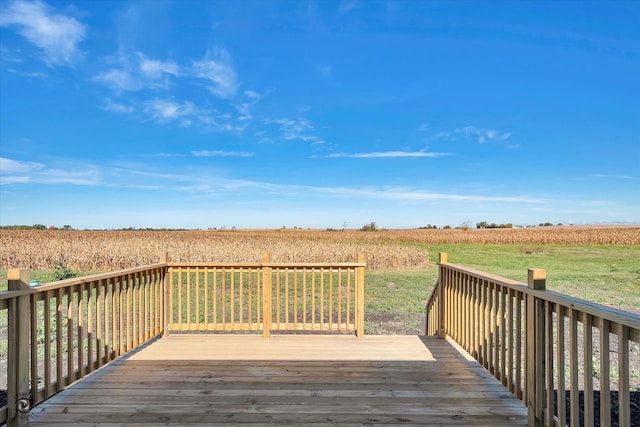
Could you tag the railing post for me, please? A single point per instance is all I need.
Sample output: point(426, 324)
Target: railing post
point(443, 259)
point(18, 394)
point(267, 301)
point(360, 298)
point(535, 346)
point(164, 259)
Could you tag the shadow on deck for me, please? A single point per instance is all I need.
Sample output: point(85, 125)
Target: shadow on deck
point(287, 379)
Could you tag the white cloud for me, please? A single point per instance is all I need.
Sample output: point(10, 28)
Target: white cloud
point(606, 176)
point(221, 153)
point(186, 114)
point(119, 80)
point(387, 154)
point(58, 36)
point(405, 194)
point(217, 68)
point(77, 177)
point(483, 135)
point(29, 74)
point(442, 135)
point(109, 105)
point(155, 69)
point(141, 72)
point(298, 128)
point(245, 108)
point(17, 172)
point(164, 111)
point(423, 127)
point(132, 73)
point(15, 166)
point(155, 73)
point(169, 155)
point(13, 180)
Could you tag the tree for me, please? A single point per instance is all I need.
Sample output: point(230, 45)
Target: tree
point(466, 225)
point(370, 227)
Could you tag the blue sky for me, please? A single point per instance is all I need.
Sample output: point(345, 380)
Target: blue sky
point(194, 114)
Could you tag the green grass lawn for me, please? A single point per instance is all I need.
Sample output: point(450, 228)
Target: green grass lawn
point(607, 275)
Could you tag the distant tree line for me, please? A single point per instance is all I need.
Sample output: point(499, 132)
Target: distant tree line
point(35, 227)
point(485, 224)
point(372, 226)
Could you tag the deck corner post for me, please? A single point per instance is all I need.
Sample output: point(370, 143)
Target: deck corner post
point(535, 349)
point(360, 297)
point(267, 300)
point(443, 258)
point(164, 259)
point(18, 391)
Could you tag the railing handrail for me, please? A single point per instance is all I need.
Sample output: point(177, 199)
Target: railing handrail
point(7, 295)
point(503, 281)
point(609, 313)
point(50, 286)
point(520, 333)
point(91, 320)
point(96, 320)
point(260, 304)
point(279, 264)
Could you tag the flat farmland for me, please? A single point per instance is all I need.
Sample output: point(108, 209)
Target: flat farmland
point(384, 249)
point(601, 264)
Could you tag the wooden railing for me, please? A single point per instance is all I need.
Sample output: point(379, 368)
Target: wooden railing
point(550, 350)
point(267, 297)
point(60, 332)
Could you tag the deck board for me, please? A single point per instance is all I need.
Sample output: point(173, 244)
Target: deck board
point(286, 379)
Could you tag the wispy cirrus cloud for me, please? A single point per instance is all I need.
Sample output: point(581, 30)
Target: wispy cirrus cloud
point(155, 69)
point(299, 128)
point(139, 72)
point(9, 166)
point(386, 154)
point(57, 36)
point(187, 114)
point(423, 127)
point(133, 177)
point(165, 111)
point(251, 99)
point(483, 135)
point(253, 94)
point(473, 133)
point(117, 107)
point(608, 176)
point(217, 68)
point(19, 172)
point(221, 153)
point(409, 194)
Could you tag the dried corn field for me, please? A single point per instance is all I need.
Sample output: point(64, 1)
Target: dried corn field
point(109, 250)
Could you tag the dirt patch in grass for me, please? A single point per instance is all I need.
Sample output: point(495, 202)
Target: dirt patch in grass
point(389, 323)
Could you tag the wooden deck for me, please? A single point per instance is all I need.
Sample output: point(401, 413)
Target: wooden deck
point(287, 379)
